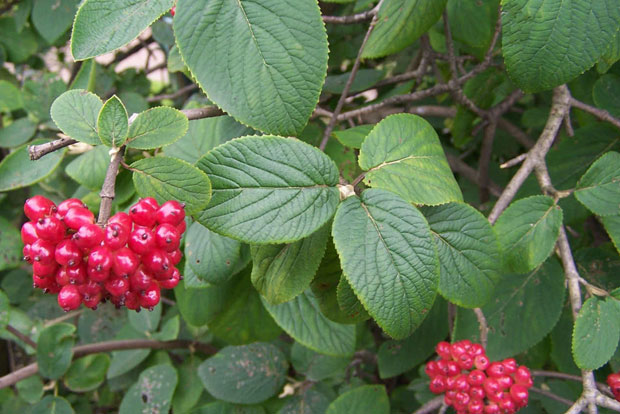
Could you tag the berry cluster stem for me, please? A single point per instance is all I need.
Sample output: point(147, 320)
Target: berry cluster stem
point(108, 189)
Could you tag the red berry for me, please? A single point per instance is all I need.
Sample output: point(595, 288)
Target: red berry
point(88, 236)
point(143, 213)
point(461, 383)
point(442, 366)
point(510, 365)
point(505, 381)
point(140, 280)
point(77, 217)
point(41, 282)
point(173, 10)
point(491, 408)
point(465, 361)
point(519, 395)
point(491, 386)
point(496, 369)
point(125, 262)
point(123, 219)
point(475, 407)
point(507, 404)
point(613, 380)
point(90, 290)
point(116, 236)
point(150, 201)
point(181, 227)
point(38, 207)
point(62, 278)
point(481, 362)
point(131, 301)
point(477, 393)
point(149, 297)
point(438, 384)
point(42, 251)
point(117, 286)
point(456, 350)
point(476, 377)
point(167, 238)
point(431, 369)
point(68, 253)
point(461, 399)
point(175, 257)
point(44, 270)
point(77, 274)
point(443, 350)
point(68, 204)
point(99, 264)
point(172, 281)
point(522, 376)
point(27, 253)
point(69, 298)
point(141, 241)
point(453, 368)
point(475, 350)
point(29, 233)
point(51, 229)
point(157, 262)
point(171, 212)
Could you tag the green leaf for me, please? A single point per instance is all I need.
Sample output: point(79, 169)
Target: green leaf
point(10, 96)
point(89, 169)
point(596, 332)
point(214, 258)
point(389, 258)
point(87, 373)
point(281, 272)
point(325, 289)
point(220, 407)
point(152, 393)
point(39, 95)
point(364, 79)
point(317, 367)
point(204, 135)
point(247, 374)
point(145, 322)
point(75, 112)
point(19, 45)
point(309, 401)
point(243, 318)
point(469, 254)
point(400, 23)
point(189, 388)
point(269, 189)
point(548, 43)
point(348, 302)
point(101, 26)
point(156, 128)
point(10, 245)
point(527, 231)
point(4, 310)
point(17, 133)
point(168, 178)
point(611, 56)
point(199, 305)
point(52, 405)
point(524, 311)
point(364, 399)
point(599, 188)
point(112, 123)
point(55, 350)
point(30, 389)
point(605, 92)
point(52, 18)
point(302, 320)
point(461, 14)
point(612, 227)
point(17, 170)
point(269, 59)
point(397, 357)
point(353, 137)
point(403, 154)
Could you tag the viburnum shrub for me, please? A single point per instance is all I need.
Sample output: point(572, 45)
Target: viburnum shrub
point(472, 384)
point(127, 262)
point(309, 196)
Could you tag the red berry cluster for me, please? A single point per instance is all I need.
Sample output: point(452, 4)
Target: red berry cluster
point(472, 384)
point(613, 380)
point(127, 262)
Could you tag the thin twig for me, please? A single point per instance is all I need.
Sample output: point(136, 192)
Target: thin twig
point(38, 151)
point(559, 108)
point(355, 18)
point(552, 396)
point(430, 406)
point(24, 338)
point(65, 317)
point(174, 95)
point(561, 375)
point(599, 113)
point(485, 159)
point(483, 326)
point(108, 346)
point(347, 86)
point(107, 193)
point(515, 161)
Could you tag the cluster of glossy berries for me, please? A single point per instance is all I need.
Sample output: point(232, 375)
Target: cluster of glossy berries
point(472, 384)
point(127, 262)
point(613, 380)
